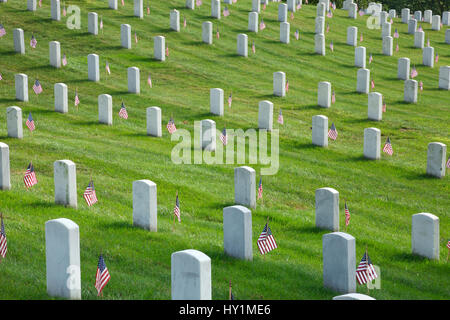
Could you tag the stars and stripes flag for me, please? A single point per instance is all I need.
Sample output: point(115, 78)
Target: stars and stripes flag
point(123, 3)
point(33, 41)
point(148, 8)
point(102, 276)
point(64, 11)
point(89, 194)
point(370, 58)
point(347, 215)
point(333, 97)
point(333, 4)
point(384, 107)
point(306, 1)
point(226, 12)
point(264, 6)
point(171, 126)
point(421, 85)
point(77, 100)
point(372, 84)
point(37, 88)
point(361, 38)
point(260, 189)
point(328, 27)
point(135, 37)
point(448, 163)
point(30, 123)
point(107, 68)
point(397, 48)
point(3, 242)
point(149, 80)
point(396, 35)
point(167, 51)
point(329, 14)
point(199, 3)
point(361, 12)
point(287, 85)
point(253, 47)
point(184, 22)
point(437, 58)
point(64, 60)
point(30, 176)
point(217, 33)
point(331, 46)
point(1, 78)
point(428, 42)
point(292, 15)
point(299, 5)
point(388, 147)
point(448, 244)
point(230, 99)
point(365, 272)
point(280, 118)
point(414, 72)
point(40, 3)
point(223, 137)
point(101, 23)
point(391, 21)
point(123, 112)
point(2, 30)
point(176, 209)
point(262, 25)
point(266, 241)
point(332, 133)
point(297, 34)
point(420, 28)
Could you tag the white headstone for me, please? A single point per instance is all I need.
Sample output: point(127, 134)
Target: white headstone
point(436, 23)
point(319, 40)
point(215, 9)
point(253, 21)
point(374, 108)
point(353, 296)
point(321, 9)
point(55, 54)
point(55, 10)
point(405, 15)
point(410, 92)
point(242, 45)
point(363, 79)
point(265, 115)
point(284, 32)
point(62, 252)
point(339, 262)
point(427, 16)
point(412, 26)
point(447, 36)
point(190, 4)
point(216, 101)
point(388, 46)
point(279, 84)
point(14, 122)
point(282, 12)
point(418, 15)
point(324, 94)
point(446, 18)
point(61, 98)
point(327, 4)
point(383, 17)
point(139, 8)
point(428, 56)
point(444, 77)
point(125, 36)
point(208, 134)
point(65, 178)
point(134, 82)
point(154, 122)
point(93, 67)
point(320, 131)
point(352, 36)
point(425, 235)
point(292, 7)
point(352, 11)
point(403, 68)
point(360, 57)
point(21, 84)
point(327, 209)
point(145, 206)
point(385, 30)
point(31, 5)
point(245, 186)
point(175, 20)
point(436, 159)
point(191, 275)
point(372, 143)
point(159, 48)
point(5, 174)
point(112, 4)
point(237, 232)
point(207, 27)
point(105, 109)
point(320, 25)
point(256, 5)
point(19, 42)
point(93, 23)
point(419, 39)
point(392, 13)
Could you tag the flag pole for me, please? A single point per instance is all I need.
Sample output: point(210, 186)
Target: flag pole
point(367, 267)
point(267, 223)
point(229, 290)
point(1, 217)
point(345, 203)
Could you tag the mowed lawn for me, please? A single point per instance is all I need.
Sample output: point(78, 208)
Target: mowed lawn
point(381, 195)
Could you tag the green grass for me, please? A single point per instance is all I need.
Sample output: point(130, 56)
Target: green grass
point(381, 195)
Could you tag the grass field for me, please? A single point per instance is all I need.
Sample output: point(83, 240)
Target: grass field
point(381, 195)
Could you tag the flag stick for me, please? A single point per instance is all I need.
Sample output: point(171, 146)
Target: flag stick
point(229, 291)
point(367, 267)
point(448, 251)
point(267, 231)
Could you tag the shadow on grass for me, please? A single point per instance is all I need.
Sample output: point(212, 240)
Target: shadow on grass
point(9, 53)
point(5, 100)
point(85, 123)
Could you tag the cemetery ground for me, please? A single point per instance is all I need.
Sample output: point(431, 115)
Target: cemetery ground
point(381, 195)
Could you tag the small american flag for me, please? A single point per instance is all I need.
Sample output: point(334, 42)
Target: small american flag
point(391, 21)
point(199, 3)
point(102, 276)
point(421, 85)
point(448, 244)
point(230, 99)
point(262, 25)
point(264, 6)
point(333, 97)
point(297, 34)
point(306, 1)
point(384, 107)
point(135, 37)
point(361, 12)
point(101, 23)
point(437, 58)
point(420, 28)
point(253, 47)
point(448, 163)
point(266, 242)
point(287, 85)
point(292, 15)
point(414, 72)
point(2, 30)
point(328, 28)
point(176, 209)
point(167, 51)
point(299, 5)
point(64, 11)
point(372, 84)
point(370, 58)
point(223, 136)
point(123, 112)
point(347, 215)
point(184, 22)
point(217, 33)
point(388, 147)
point(64, 60)
point(30, 123)
point(40, 3)
point(329, 14)
point(148, 8)
point(361, 38)
point(396, 35)
point(107, 68)
point(331, 46)
point(33, 41)
point(397, 48)
point(365, 271)
point(333, 4)
point(171, 126)
point(260, 189)
point(332, 133)
point(149, 81)
point(428, 42)
point(1, 78)
point(226, 12)
point(3, 242)
point(123, 3)
point(280, 118)
point(30, 176)
point(37, 88)
point(77, 100)
point(89, 194)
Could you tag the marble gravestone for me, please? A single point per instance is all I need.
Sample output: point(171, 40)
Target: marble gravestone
point(237, 232)
point(327, 209)
point(145, 205)
point(245, 186)
point(65, 179)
